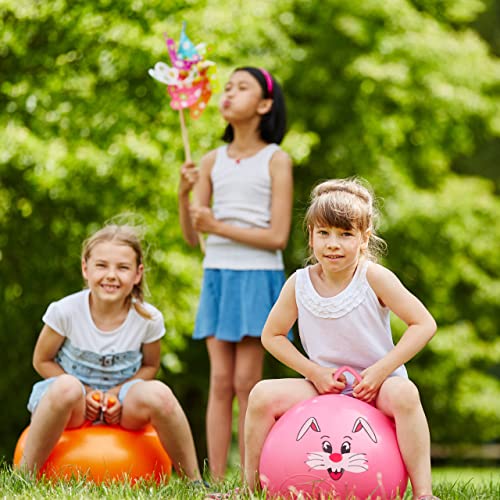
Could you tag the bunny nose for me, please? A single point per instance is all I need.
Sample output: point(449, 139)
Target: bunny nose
point(336, 457)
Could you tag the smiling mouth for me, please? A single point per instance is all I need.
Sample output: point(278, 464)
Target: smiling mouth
point(335, 475)
point(110, 287)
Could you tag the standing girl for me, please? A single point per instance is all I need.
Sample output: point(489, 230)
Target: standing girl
point(244, 195)
point(342, 304)
point(100, 348)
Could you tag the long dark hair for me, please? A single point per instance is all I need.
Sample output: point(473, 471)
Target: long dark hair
point(273, 124)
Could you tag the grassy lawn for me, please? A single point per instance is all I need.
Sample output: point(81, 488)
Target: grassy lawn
point(471, 483)
point(451, 483)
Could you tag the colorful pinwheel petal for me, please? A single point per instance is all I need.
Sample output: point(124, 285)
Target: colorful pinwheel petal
point(190, 79)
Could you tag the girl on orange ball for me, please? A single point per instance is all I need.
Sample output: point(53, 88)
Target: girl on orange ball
point(99, 352)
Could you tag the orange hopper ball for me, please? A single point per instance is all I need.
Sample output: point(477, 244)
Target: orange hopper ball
point(102, 453)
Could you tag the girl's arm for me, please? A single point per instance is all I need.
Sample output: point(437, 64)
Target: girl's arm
point(275, 237)
point(190, 177)
point(151, 355)
point(274, 338)
point(48, 344)
point(421, 326)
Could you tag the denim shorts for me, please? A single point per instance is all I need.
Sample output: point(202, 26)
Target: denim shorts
point(40, 388)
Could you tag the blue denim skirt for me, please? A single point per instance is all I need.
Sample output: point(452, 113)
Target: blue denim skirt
point(235, 304)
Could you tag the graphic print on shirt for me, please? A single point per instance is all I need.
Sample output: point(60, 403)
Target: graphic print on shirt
point(337, 455)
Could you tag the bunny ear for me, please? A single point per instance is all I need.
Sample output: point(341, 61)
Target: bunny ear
point(310, 423)
point(362, 424)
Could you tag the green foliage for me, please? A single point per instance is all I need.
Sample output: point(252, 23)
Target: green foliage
point(87, 135)
point(397, 92)
point(440, 246)
point(401, 93)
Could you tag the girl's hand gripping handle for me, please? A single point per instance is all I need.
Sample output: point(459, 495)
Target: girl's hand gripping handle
point(358, 379)
point(93, 405)
point(111, 412)
point(339, 373)
point(352, 371)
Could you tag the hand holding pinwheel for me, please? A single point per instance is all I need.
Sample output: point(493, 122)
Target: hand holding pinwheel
point(190, 82)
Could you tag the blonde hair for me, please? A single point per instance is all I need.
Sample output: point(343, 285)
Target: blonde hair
point(348, 204)
point(123, 235)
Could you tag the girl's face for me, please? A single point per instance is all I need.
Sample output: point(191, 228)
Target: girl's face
point(337, 249)
point(111, 272)
point(242, 98)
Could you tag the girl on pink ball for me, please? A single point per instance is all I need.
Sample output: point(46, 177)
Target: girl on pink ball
point(342, 303)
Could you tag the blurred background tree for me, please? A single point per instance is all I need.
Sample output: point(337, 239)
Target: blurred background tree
point(402, 93)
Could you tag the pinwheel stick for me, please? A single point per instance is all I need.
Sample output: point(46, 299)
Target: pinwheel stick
point(189, 84)
point(185, 137)
point(187, 154)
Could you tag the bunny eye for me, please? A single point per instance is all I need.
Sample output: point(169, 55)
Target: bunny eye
point(346, 447)
point(327, 446)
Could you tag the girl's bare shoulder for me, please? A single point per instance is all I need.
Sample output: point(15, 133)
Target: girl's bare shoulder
point(208, 160)
point(290, 282)
point(280, 162)
point(379, 276)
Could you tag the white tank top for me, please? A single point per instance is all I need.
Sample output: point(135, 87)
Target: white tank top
point(351, 328)
point(241, 197)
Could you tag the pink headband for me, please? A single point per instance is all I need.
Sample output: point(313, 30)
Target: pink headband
point(269, 81)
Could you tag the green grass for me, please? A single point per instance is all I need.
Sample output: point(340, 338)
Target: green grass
point(450, 484)
point(467, 483)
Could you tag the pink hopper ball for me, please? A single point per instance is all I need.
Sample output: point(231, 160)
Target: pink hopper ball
point(103, 453)
point(334, 445)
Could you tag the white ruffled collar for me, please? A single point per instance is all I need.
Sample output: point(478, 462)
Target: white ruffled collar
point(332, 307)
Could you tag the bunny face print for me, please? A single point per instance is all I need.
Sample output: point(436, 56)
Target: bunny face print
point(333, 445)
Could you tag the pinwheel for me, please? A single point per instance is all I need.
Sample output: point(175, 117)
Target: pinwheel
point(190, 79)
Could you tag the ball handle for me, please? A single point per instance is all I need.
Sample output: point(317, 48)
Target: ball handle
point(346, 368)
